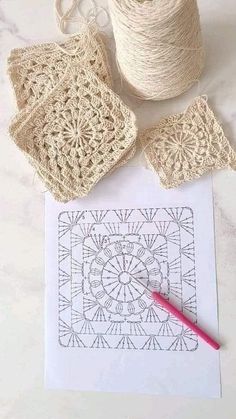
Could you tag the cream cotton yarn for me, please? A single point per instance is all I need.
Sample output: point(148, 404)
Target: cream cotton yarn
point(184, 146)
point(158, 45)
point(36, 72)
point(74, 129)
point(76, 134)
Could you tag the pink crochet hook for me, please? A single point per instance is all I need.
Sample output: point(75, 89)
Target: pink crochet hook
point(179, 315)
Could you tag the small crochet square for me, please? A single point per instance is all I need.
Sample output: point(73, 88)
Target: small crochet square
point(77, 134)
point(184, 146)
point(35, 70)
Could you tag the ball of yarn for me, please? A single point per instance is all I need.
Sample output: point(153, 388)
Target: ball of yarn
point(158, 45)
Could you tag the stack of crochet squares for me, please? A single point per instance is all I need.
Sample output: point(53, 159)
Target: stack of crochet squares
point(71, 126)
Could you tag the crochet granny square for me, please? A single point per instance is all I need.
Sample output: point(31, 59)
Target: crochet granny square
point(78, 133)
point(184, 146)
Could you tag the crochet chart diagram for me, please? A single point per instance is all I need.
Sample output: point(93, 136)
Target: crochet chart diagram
point(109, 262)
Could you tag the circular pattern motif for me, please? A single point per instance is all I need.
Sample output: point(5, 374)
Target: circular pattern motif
point(120, 274)
point(177, 149)
point(182, 145)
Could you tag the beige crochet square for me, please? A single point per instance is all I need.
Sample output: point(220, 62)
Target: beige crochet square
point(35, 70)
point(76, 134)
point(184, 146)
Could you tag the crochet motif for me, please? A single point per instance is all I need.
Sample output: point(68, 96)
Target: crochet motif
point(184, 146)
point(76, 134)
point(35, 73)
point(35, 70)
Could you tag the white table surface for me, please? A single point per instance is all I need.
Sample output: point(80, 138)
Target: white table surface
point(22, 393)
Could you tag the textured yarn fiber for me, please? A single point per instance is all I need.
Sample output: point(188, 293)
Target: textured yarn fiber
point(184, 146)
point(35, 70)
point(76, 134)
point(71, 126)
point(158, 45)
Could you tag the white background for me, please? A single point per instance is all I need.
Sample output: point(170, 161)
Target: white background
point(22, 395)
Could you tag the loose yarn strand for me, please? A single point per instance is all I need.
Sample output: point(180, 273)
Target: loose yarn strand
point(158, 45)
point(64, 18)
point(96, 12)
